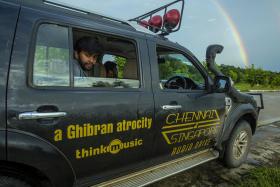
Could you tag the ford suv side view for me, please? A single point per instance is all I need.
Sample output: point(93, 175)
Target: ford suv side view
point(157, 111)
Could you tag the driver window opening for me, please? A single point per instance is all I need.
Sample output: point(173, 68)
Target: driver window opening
point(177, 72)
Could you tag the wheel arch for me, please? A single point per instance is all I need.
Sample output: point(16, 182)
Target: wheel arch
point(241, 112)
point(31, 175)
point(25, 150)
point(251, 120)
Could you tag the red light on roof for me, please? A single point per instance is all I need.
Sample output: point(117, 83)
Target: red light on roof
point(155, 21)
point(171, 19)
point(144, 23)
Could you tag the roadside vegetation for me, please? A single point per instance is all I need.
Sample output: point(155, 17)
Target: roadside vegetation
point(262, 177)
point(252, 78)
point(268, 175)
point(246, 87)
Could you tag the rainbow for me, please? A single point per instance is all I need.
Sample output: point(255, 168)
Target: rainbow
point(235, 33)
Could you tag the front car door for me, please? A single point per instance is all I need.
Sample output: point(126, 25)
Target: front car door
point(188, 118)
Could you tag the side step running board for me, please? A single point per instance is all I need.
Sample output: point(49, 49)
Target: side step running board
point(156, 173)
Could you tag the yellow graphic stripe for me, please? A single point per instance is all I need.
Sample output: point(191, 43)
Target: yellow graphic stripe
point(178, 125)
point(217, 115)
point(164, 133)
point(166, 137)
point(209, 125)
point(189, 128)
point(187, 124)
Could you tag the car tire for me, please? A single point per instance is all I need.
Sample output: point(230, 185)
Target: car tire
point(238, 145)
point(6, 181)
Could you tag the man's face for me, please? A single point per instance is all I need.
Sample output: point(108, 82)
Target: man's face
point(87, 60)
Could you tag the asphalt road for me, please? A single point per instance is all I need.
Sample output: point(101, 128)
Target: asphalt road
point(271, 112)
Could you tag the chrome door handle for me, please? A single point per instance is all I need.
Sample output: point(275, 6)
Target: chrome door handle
point(171, 107)
point(38, 115)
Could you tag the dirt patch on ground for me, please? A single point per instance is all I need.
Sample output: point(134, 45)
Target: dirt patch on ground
point(265, 151)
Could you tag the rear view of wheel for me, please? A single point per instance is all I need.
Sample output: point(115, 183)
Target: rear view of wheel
point(6, 181)
point(237, 147)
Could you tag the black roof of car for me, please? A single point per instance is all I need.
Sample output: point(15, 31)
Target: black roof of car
point(50, 6)
point(64, 10)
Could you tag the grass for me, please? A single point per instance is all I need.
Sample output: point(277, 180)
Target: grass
point(262, 177)
point(247, 87)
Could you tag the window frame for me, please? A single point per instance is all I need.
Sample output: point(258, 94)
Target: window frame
point(191, 60)
point(70, 27)
point(31, 55)
point(106, 34)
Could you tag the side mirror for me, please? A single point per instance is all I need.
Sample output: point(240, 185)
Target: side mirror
point(222, 84)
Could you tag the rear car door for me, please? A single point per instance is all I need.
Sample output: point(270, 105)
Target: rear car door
point(188, 118)
point(102, 126)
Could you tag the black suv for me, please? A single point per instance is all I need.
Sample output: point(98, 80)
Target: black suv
point(161, 113)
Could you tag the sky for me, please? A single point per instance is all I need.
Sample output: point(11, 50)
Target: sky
point(249, 30)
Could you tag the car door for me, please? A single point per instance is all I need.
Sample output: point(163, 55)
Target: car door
point(188, 117)
point(103, 130)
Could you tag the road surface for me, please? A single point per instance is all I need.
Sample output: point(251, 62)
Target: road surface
point(271, 112)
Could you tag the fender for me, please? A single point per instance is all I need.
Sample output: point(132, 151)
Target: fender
point(33, 151)
point(234, 115)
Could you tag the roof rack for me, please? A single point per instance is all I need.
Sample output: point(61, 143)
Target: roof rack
point(74, 8)
point(162, 28)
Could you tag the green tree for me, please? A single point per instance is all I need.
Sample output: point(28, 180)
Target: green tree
point(171, 67)
point(233, 75)
point(121, 63)
point(275, 81)
point(251, 75)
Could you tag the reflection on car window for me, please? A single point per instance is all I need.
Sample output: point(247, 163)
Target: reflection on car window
point(105, 82)
point(51, 60)
point(177, 72)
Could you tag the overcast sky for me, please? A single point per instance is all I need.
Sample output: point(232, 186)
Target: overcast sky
point(253, 24)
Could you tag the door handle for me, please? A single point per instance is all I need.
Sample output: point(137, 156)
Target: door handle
point(38, 115)
point(171, 107)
